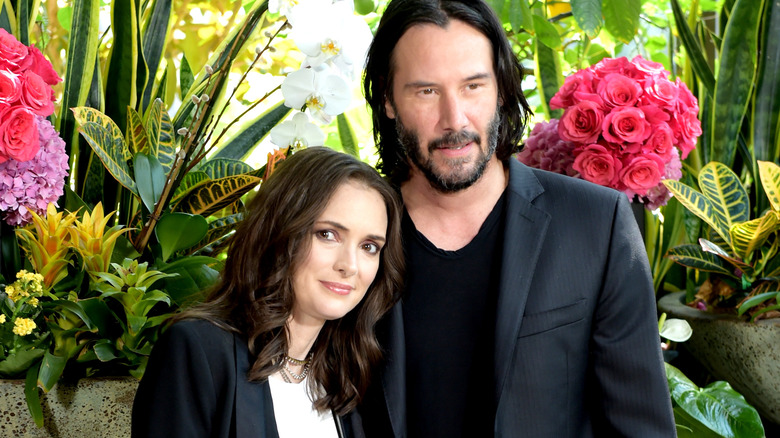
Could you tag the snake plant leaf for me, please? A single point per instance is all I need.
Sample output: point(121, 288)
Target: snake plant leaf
point(161, 136)
point(104, 147)
point(190, 180)
point(694, 257)
point(155, 37)
point(698, 62)
point(347, 136)
point(547, 69)
point(240, 145)
point(137, 140)
point(736, 75)
point(697, 204)
point(621, 18)
point(587, 14)
point(747, 237)
point(211, 196)
point(150, 179)
point(177, 231)
point(729, 198)
point(769, 173)
point(122, 71)
point(716, 406)
point(766, 107)
point(22, 22)
point(223, 167)
point(745, 268)
point(7, 16)
point(186, 78)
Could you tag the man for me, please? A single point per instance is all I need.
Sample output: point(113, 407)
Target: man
point(528, 309)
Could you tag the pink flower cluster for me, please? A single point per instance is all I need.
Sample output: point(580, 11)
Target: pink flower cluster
point(629, 126)
point(33, 163)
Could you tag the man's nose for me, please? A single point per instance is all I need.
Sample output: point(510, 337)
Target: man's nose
point(452, 113)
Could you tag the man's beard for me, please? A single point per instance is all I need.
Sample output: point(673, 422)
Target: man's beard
point(460, 177)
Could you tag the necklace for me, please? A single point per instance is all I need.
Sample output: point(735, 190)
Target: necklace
point(287, 373)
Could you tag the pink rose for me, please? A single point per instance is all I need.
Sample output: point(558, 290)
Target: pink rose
point(619, 90)
point(581, 123)
point(18, 134)
point(626, 125)
point(660, 91)
point(641, 173)
point(685, 99)
point(654, 115)
point(36, 94)
point(578, 82)
point(13, 54)
point(10, 87)
point(597, 165)
point(661, 140)
point(610, 65)
point(41, 66)
point(687, 129)
point(647, 66)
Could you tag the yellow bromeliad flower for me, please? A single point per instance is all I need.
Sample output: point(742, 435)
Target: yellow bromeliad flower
point(48, 243)
point(2, 319)
point(91, 239)
point(23, 326)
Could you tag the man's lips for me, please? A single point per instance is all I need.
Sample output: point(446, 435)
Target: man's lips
point(338, 288)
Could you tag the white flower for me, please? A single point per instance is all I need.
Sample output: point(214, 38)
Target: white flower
point(324, 93)
point(292, 9)
point(297, 133)
point(332, 34)
point(677, 330)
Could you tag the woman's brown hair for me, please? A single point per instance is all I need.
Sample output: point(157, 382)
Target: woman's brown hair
point(254, 296)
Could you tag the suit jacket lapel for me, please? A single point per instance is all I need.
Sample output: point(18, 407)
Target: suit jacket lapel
point(253, 406)
point(524, 232)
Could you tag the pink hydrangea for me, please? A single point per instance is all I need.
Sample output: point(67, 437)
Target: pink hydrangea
point(544, 149)
point(626, 126)
point(33, 184)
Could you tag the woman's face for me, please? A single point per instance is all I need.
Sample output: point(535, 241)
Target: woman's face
point(344, 257)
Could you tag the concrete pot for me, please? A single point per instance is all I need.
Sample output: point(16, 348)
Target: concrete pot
point(91, 407)
point(747, 355)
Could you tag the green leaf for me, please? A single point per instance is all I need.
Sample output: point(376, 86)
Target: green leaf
point(103, 146)
point(697, 204)
point(621, 18)
point(16, 364)
point(587, 14)
point(520, 16)
point(137, 139)
point(186, 78)
point(696, 58)
point(717, 406)
point(347, 136)
point(769, 173)
point(218, 230)
point(223, 167)
point(547, 69)
point(252, 133)
point(122, 72)
point(756, 300)
point(195, 276)
point(7, 19)
point(150, 178)
point(161, 136)
point(547, 33)
point(735, 78)
point(51, 369)
point(693, 256)
point(177, 231)
point(104, 351)
point(211, 196)
point(749, 236)
point(155, 37)
point(76, 308)
point(190, 180)
point(766, 108)
point(32, 396)
point(723, 188)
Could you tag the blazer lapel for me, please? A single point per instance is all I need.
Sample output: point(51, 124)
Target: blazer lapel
point(394, 375)
point(524, 233)
point(253, 406)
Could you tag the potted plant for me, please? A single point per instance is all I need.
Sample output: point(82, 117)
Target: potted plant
point(734, 311)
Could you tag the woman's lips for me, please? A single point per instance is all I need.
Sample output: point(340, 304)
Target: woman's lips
point(338, 288)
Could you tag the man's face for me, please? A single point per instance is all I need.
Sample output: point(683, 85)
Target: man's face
point(445, 101)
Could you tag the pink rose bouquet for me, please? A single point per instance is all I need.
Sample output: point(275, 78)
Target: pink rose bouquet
point(625, 125)
point(33, 163)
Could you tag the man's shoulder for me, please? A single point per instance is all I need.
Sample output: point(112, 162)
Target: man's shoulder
point(555, 185)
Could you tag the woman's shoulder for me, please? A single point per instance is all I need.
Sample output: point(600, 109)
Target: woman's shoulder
point(199, 333)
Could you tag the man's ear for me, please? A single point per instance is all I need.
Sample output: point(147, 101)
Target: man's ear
point(389, 110)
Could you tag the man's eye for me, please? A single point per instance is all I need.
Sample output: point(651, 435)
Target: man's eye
point(426, 91)
point(473, 86)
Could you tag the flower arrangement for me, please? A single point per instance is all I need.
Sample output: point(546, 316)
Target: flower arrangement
point(33, 162)
point(625, 125)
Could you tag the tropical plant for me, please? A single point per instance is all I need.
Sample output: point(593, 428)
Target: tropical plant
point(740, 253)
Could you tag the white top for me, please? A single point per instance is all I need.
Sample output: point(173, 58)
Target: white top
point(294, 413)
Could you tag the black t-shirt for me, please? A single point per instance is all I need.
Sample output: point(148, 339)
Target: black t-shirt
point(449, 321)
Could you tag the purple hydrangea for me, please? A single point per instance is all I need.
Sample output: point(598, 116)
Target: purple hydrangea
point(544, 149)
point(33, 184)
point(660, 195)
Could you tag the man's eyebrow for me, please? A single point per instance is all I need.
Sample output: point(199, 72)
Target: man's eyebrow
point(426, 84)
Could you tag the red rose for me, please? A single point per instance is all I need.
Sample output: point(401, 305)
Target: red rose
point(581, 123)
point(19, 138)
point(41, 66)
point(10, 87)
point(13, 54)
point(578, 82)
point(36, 94)
point(611, 65)
point(687, 129)
point(641, 173)
point(661, 141)
point(596, 164)
point(619, 90)
point(626, 125)
point(647, 66)
point(660, 91)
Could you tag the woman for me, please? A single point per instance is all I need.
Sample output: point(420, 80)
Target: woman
point(284, 344)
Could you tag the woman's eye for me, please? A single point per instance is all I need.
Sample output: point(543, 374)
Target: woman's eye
point(326, 235)
point(371, 248)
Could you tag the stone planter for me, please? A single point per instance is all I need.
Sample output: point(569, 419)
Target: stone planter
point(91, 407)
point(747, 355)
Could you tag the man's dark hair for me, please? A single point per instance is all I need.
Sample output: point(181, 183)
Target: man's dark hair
point(399, 16)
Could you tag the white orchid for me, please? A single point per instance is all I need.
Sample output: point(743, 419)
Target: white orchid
point(323, 92)
point(297, 133)
point(293, 8)
point(332, 33)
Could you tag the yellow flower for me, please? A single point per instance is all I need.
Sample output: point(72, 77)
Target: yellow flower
point(33, 302)
point(2, 319)
point(23, 326)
